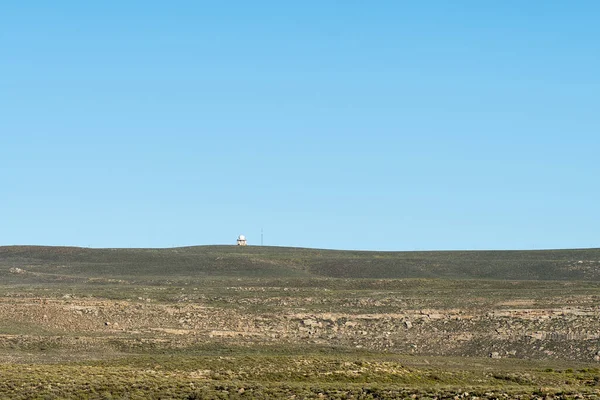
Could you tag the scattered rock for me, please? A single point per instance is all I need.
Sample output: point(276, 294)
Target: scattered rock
point(16, 270)
point(408, 324)
point(494, 354)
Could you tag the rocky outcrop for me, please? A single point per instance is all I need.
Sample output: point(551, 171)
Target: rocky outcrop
point(553, 333)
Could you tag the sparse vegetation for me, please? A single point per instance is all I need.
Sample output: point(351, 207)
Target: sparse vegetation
point(111, 265)
point(227, 322)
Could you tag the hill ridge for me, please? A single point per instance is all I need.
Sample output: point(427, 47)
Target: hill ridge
point(268, 261)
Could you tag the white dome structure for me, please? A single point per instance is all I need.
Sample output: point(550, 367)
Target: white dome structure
point(241, 240)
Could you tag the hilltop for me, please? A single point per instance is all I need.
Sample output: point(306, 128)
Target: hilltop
point(43, 262)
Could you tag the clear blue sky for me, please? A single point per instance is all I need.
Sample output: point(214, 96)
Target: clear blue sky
point(390, 125)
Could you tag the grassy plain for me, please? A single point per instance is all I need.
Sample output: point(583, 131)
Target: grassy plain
point(264, 322)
